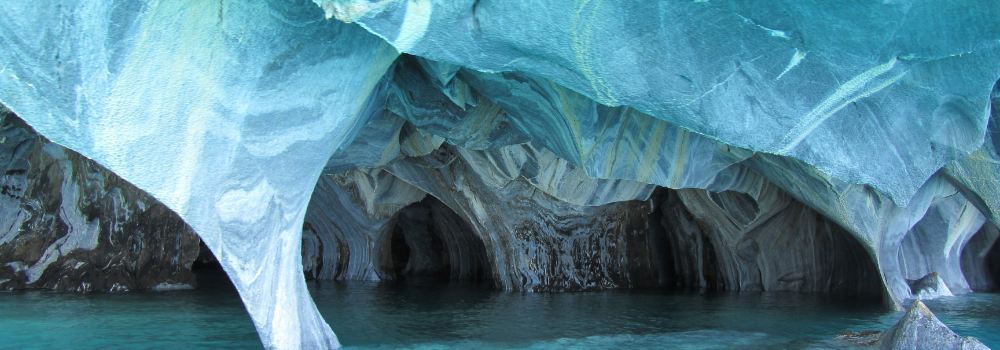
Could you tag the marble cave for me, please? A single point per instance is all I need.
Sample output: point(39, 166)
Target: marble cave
point(530, 149)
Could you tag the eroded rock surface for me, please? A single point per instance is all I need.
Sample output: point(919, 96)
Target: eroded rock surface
point(920, 329)
point(70, 224)
point(981, 260)
point(755, 237)
point(542, 140)
point(226, 112)
point(348, 227)
point(929, 287)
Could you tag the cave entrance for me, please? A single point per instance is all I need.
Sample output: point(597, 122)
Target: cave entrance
point(684, 254)
point(431, 241)
point(981, 260)
point(732, 241)
point(208, 272)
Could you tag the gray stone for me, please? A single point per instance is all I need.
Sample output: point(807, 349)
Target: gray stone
point(349, 223)
point(929, 287)
point(920, 329)
point(229, 112)
point(981, 260)
point(863, 338)
point(755, 237)
point(69, 224)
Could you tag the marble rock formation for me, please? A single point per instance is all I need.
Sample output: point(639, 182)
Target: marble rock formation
point(522, 203)
point(485, 215)
point(226, 112)
point(929, 287)
point(981, 260)
point(920, 329)
point(349, 224)
point(69, 224)
point(546, 135)
point(536, 239)
point(761, 239)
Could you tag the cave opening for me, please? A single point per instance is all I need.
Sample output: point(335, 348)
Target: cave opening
point(205, 260)
point(684, 256)
point(431, 242)
point(981, 260)
point(208, 272)
point(734, 241)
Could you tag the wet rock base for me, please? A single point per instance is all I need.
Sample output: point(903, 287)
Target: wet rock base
point(918, 329)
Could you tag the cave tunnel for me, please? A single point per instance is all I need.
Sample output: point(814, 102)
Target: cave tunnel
point(430, 241)
point(981, 259)
point(208, 272)
point(728, 241)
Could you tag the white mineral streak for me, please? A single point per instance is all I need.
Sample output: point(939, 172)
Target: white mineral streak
point(349, 10)
point(81, 233)
point(797, 58)
point(861, 86)
point(226, 112)
point(236, 204)
point(170, 286)
point(415, 22)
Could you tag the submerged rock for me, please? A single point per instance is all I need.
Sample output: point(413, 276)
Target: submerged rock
point(920, 329)
point(865, 338)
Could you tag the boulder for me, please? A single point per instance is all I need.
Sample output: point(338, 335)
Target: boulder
point(920, 329)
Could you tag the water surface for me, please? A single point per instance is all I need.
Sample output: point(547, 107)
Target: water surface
point(424, 315)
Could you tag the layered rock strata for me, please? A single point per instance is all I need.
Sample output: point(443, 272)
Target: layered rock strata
point(622, 143)
point(534, 240)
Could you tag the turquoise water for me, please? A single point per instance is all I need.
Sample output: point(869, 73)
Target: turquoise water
point(418, 315)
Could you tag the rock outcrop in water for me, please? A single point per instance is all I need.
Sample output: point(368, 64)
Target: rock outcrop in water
point(69, 224)
point(736, 145)
point(920, 329)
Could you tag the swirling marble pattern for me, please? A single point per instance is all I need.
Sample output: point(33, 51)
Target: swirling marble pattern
point(546, 135)
point(226, 112)
point(72, 225)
